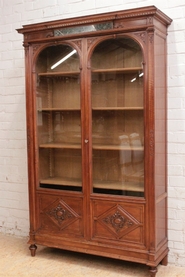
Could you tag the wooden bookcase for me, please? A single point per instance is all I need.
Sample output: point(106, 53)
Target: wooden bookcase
point(96, 132)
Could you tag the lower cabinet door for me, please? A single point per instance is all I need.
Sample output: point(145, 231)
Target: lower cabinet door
point(118, 222)
point(60, 215)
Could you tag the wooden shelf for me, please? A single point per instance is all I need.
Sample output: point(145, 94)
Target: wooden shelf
point(102, 70)
point(58, 109)
point(94, 109)
point(127, 186)
point(118, 70)
point(117, 108)
point(58, 74)
point(117, 147)
point(94, 146)
point(61, 145)
point(62, 181)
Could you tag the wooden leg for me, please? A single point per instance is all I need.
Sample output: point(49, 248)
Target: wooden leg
point(33, 249)
point(165, 260)
point(153, 271)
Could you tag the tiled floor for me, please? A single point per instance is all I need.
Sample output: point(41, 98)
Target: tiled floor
point(15, 260)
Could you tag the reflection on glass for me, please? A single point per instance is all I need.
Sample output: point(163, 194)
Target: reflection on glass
point(117, 118)
point(83, 29)
point(59, 118)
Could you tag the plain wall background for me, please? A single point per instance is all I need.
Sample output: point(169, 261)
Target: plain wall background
point(14, 215)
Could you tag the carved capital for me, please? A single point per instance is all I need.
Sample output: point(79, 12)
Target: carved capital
point(151, 34)
point(26, 47)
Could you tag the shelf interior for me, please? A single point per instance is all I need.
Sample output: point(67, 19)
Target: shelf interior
point(94, 146)
point(125, 186)
point(127, 70)
point(58, 74)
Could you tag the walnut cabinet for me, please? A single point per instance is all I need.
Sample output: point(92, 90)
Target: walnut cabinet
point(96, 133)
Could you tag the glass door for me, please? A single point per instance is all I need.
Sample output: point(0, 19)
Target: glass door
point(117, 118)
point(59, 119)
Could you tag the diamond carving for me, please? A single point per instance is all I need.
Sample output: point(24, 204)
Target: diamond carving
point(61, 214)
point(118, 221)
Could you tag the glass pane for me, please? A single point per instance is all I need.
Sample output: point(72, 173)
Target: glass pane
point(118, 118)
point(59, 118)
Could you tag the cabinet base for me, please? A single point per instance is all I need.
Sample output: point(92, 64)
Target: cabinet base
point(152, 270)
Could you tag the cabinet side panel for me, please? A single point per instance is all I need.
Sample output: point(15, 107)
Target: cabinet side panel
point(160, 137)
point(160, 116)
point(161, 235)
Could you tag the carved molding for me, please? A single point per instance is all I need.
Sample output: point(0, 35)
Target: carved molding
point(150, 20)
point(151, 143)
point(28, 139)
point(118, 25)
point(50, 34)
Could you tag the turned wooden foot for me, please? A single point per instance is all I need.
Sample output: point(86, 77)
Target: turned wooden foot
point(33, 249)
point(153, 271)
point(165, 260)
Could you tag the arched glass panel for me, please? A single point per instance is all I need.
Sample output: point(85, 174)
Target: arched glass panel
point(117, 118)
point(59, 118)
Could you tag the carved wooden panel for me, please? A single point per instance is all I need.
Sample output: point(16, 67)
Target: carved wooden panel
point(120, 24)
point(60, 215)
point(119, 221)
